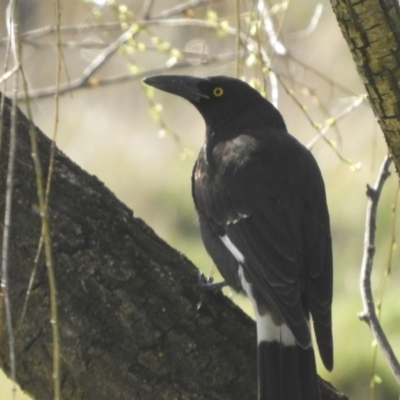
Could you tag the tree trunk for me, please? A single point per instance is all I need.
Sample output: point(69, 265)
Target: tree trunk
point(129, 327)
point(372, 31)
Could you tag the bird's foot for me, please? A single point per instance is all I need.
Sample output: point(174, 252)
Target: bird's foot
point(207, 287)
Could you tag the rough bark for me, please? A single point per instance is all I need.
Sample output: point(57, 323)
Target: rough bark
point(129, 328)
point(372, 31)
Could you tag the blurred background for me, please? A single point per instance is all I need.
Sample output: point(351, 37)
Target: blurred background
point(142, 144)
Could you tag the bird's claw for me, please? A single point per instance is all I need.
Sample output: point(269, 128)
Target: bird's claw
point(207, 287)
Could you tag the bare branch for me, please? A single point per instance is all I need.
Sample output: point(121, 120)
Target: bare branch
point(13, 28)
point(246, 44)
point(147, 7)
point(9, 73)
point(181, 8)
point(85, 82)
point(314, 21)
point(271, 32)
point(334, 120)
point(369, 313)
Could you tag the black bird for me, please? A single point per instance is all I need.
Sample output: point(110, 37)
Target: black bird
point(264, 221)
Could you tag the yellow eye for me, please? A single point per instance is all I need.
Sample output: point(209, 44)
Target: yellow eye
point(218, 92)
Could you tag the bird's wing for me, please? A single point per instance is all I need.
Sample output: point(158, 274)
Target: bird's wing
point(272, 263)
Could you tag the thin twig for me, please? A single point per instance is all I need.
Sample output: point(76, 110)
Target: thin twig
point(269, 29)
point(84, 82)
point(314, 21)
point(180, 8)
point(84, 79)
point(47, 238)
point(147, 8)
point(334, 120)
point(100, 60)
point(369, 313)
point(4, 82)
point(320, 130)
point(70, 29)
point(9, 74)
point(238, 29)
point(45, 232)
point(56, 99)
point(30, 284)
point(6, 239)
point(12, 26)
point(321, 75)
point(385, 280)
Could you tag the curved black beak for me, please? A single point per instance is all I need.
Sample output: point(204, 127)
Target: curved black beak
point(185, 86)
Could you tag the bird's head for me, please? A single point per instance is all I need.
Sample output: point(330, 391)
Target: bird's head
point(222, 101)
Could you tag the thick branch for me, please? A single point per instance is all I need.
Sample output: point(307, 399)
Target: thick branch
point(372, 31)
point(129, 328)
point(369, 313)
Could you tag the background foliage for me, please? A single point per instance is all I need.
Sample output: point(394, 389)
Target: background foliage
point(142, 144)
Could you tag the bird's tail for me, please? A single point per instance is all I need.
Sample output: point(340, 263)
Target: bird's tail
point(286, 372)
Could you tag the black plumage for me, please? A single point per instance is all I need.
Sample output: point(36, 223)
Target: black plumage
point(264, 221)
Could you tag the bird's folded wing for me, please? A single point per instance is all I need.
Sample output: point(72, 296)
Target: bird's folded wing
point(272, 262)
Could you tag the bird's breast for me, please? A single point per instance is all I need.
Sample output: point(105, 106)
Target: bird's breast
point(216, 184)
